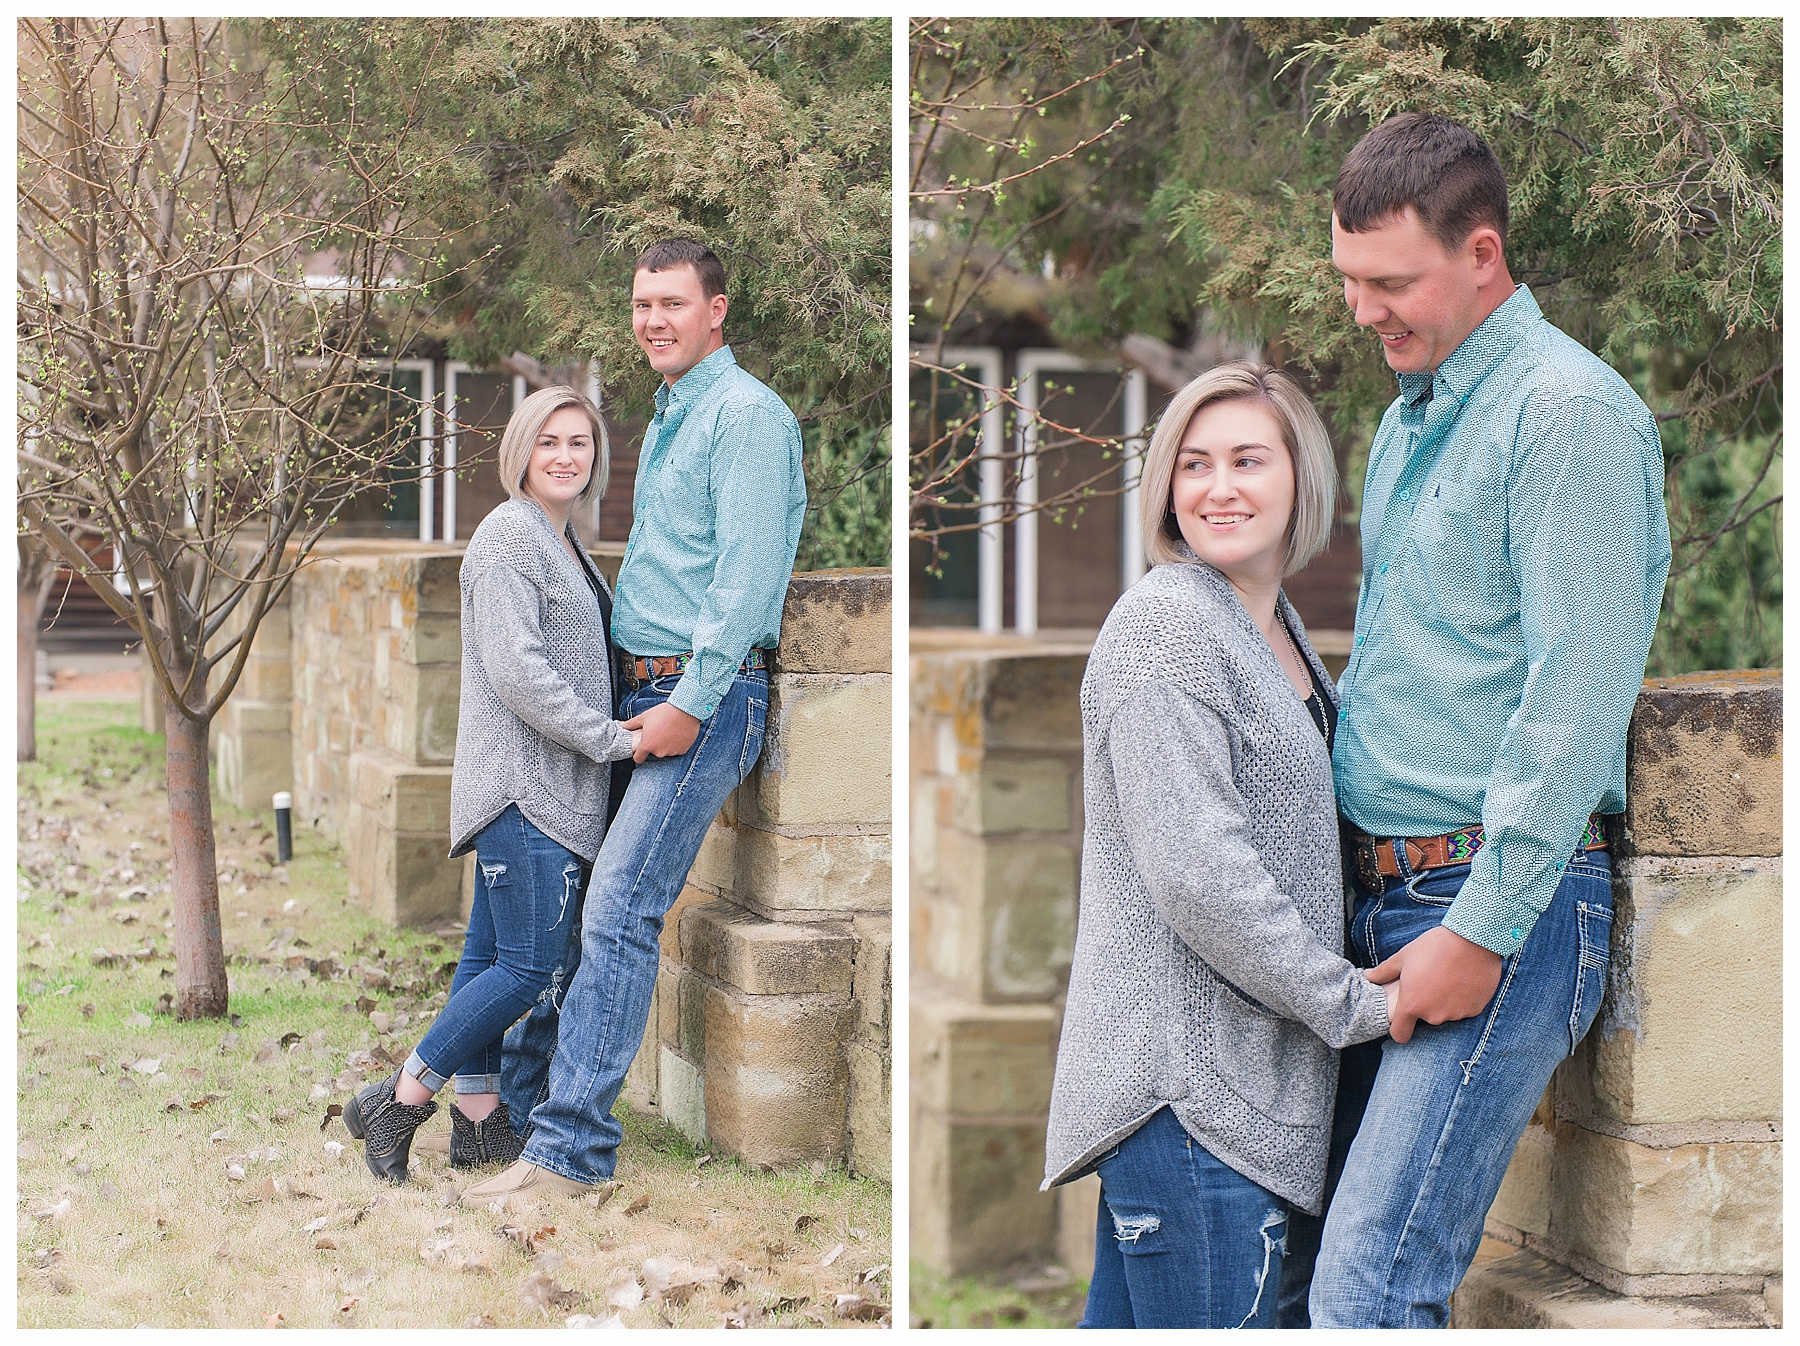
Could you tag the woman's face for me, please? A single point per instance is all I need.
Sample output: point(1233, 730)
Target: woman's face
point(561, 460)
point(1233, 490)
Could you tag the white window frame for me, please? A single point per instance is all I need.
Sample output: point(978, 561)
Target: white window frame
point(427, 371)
point(1033, 362)
point(453, 369)
point(987, 364)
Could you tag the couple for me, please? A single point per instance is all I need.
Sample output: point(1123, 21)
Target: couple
point(717, 509)
point(1515, 546)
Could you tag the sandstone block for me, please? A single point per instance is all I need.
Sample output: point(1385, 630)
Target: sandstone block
point(775, 875)
point(1705, 765)
point(871, 1112)
point(1691, 1210)
point(874, 981)
point(776, 1078)
point(640, 1089)
point(838, 621)
point(1693, 1015)
point(406, 798)
point(432, 638)
point(435, 585)
point(1524, 1197)
point(690, 1016)
point(1017, 904)
point(665, 1011)
point(681, 1095)
point(969, 1057)
point(1526, 1290)
point(1032, 701)
point(424, 702)
point(923, 832)
point(1016, 793)
point(828, 755)
point(689, 896)
point(1077, 1216)
point(973, 1191)
point(716, 865)
point(759, 957)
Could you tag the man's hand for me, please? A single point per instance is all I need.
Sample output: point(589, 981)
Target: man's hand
point(663, 731)
point(1440, 976)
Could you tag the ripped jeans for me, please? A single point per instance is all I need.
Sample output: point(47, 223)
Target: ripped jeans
point(1184, 1240)
point(527, 893)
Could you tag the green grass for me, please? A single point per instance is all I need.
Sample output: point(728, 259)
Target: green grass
point(991, 1301)
point(129, 1210)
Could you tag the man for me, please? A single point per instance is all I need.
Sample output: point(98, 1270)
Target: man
point(716, 519)
point(1515, 545)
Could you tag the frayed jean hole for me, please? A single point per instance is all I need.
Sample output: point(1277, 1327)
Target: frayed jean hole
point(493, 872)
point(571, 879)
point(1131, 1228)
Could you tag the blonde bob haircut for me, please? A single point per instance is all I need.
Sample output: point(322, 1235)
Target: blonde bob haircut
point(1307, 443)
point(521, 438)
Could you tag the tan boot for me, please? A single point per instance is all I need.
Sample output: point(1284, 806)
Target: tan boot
point(524, 1180)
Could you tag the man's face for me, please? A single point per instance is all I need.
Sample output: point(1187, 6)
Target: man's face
point(674, 321)
point(1421, 298)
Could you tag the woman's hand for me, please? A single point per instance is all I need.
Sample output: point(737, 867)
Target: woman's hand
point(637, 736)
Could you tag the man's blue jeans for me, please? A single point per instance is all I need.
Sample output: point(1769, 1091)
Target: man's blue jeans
point(642, 865)
point(1184, 1240)
point(1448, 1107)
point(527, 898)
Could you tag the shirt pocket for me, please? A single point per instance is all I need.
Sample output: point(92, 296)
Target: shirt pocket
point(1455, 559)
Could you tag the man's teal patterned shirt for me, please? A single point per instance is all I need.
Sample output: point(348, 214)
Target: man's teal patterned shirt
point(1515, 546)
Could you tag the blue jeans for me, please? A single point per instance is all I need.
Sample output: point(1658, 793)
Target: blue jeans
point(1447, 1108)
point(527, 894)
point(642, 865)
point(1183, 1240)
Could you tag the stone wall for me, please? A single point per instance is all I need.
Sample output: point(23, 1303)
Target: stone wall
point(1647, 1190)
point(770, 1031)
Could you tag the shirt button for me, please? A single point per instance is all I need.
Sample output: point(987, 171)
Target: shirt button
point(1360, 639)
point(1518, 933)
point(1406, 494)
point(1384, 566)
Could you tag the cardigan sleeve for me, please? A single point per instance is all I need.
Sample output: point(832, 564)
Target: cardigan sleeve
point(1187, 829)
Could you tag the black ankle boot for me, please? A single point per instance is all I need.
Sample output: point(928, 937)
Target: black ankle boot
point(489, 1141)
point(385, 1127)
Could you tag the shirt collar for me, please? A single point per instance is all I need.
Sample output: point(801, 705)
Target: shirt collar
point(696, 381)
point(1480, 351)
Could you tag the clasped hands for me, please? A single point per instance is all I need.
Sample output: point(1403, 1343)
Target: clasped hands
point(662, 731)
point(1438, 977)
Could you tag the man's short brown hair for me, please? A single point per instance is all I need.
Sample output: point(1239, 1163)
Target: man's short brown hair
point(674, 252)
point(1439, 167)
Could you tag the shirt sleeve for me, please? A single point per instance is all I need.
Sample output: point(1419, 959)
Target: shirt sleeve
point(755, 462)
point(1188, 831)
point(506, 608)
point(1585, 528)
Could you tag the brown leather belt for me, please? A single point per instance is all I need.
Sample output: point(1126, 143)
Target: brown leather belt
point(643, 668)
point(1375, 858)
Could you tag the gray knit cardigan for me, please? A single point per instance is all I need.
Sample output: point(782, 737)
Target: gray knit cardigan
point(1208, 973)
point(536, 724)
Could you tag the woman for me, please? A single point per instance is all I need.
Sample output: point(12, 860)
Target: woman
point(535, 736)
point(1197, 1069)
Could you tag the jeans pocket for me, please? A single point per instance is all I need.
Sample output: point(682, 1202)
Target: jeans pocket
point(1593, 931)
point(756, 720)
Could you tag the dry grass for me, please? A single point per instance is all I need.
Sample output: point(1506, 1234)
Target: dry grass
point(134, 1128)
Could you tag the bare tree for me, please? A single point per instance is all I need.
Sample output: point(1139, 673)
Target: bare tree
point(217, 256)
point(37, 577)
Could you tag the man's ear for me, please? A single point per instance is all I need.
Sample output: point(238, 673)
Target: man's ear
point(718, 306)
point(1487, 254)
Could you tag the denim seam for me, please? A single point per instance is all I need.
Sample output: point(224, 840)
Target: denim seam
point(1487, 1029)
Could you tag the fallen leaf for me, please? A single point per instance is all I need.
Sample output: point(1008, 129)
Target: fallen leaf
point(857, 1308)
point(266, 1053)
point(288, 1040)
point(283, 1115)
point(871, 1274)
point(314, 1226)
point(350, 1302)
point(437, 1252)
point(585, 1320)
point(858, 1234)
point(325, 1244)
point(837, 1251)
point(165, 1004)
point(57, 1212)
point(148, 1065)
point(703, 1160)
point(445, 1225)
point(235, 1172)
point(674, 1280)
point(542, 1293)
point(777, 1250)
point(638, 1205)
point(334, 1149)
point(623, 1291)
point(601, 1194)
point(801, 1223)
point(216, 1136)
point(175, 1105)
point(275, 1320)
point(333, 1110)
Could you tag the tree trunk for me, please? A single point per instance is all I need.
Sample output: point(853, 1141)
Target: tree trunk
point(201, 991)
point(37, 577)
